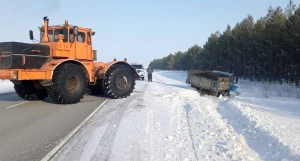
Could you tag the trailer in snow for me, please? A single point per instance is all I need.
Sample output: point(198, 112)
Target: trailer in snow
point(214, 82)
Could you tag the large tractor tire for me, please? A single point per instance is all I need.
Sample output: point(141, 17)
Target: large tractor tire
point(31, 90)
point(98, 88)
point(69, 84)
point(119, 81)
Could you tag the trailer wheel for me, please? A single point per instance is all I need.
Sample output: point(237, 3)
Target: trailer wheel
point(119, 82)
point(31, 90)
point(69, 84)
point(98, 88)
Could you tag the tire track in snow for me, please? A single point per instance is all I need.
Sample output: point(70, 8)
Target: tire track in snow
point(106, 143)
point(209, 136)
point(151, 133)
point(187, 108)
point(139, 105)
point(149, 130)
point(212, 137)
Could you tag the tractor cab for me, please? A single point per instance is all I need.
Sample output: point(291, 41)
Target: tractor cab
point(67, 41)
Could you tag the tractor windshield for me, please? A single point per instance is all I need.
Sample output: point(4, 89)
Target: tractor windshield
point(52, 37)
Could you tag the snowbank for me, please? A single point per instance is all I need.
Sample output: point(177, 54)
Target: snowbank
point(6, 86)
point(266, 115)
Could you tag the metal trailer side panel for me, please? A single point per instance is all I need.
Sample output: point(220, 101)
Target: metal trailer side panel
point(207, 83)
point(201, 82)
point(213, 82)
point(195, 80)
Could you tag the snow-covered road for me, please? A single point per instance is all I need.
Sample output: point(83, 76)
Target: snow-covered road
point(167, 120)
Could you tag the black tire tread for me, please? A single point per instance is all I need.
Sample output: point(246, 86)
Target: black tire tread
point(55, 91)
point(107, 87)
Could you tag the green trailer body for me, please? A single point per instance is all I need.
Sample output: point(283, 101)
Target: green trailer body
point(214, 82)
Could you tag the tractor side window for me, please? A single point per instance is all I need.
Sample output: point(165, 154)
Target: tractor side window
point(50, 34)
point(81, 37)
point(72, 37)
point(42, 36)
point(65, 32)
point(89, 40)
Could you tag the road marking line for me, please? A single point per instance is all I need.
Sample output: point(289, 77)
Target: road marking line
point(59, 146)
point(17, 104)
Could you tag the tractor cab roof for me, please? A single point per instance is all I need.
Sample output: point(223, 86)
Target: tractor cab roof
point(65, 25)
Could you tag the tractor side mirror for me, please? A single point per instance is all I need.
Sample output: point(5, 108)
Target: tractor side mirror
point(75, 30)
point(31, 34)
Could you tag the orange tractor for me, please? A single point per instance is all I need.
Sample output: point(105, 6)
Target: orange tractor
point(62, 66)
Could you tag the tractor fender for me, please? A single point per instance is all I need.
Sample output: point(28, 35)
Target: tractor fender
point(50, 66)
point(104, 67)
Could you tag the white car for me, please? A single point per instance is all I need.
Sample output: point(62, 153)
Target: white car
point(140, 69)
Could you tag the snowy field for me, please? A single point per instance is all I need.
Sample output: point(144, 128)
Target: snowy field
point(168, 120)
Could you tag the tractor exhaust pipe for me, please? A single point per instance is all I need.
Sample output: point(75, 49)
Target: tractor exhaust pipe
point(46, 23)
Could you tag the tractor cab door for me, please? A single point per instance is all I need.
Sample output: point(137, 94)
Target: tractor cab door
point(89, 47)
point(81, 46)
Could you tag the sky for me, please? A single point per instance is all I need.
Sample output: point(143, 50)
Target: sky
point(137, 30)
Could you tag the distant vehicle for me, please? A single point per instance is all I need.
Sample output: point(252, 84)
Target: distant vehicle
point(214, 82)
point(140, 70)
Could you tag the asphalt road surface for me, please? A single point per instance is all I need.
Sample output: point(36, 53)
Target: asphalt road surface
point(29, 130)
